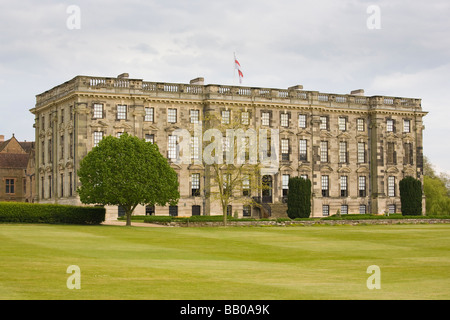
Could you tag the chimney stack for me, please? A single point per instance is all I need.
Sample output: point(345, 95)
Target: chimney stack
point(199, 81)
point(359, 92)
point(2, 138)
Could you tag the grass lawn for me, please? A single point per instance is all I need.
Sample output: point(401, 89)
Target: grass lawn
point(267, 263)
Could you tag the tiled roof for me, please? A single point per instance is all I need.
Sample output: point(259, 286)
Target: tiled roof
point(13, 160)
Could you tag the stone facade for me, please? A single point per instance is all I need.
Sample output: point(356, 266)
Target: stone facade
point(355, 149)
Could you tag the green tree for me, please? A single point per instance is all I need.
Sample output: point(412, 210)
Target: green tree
point(299, 198)
point(126, 172)
point(411, 196)
point(436, 188)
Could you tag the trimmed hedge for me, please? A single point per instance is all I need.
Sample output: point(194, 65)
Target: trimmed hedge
point(411, 196)
point(299, 198)
point(20, 212)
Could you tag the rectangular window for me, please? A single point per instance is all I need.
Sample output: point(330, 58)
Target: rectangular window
point(391, 186)
point(344, 209)
point(342, 123)
point(285, 149)
point(70, 185)
point(406, 126)
point(225, 116)
point(172, 147)
point(118, 134)
point(391, 208)
point(121, 112)
point(390, 125)
point(61, 145)
point(325, 186)
point(265, 118)
point(49, 150)
point(361, 152)
point(62, 185)
point(196, 210)
point(409, 154)
point(344, 189)
point(342, 152)
point(302, 147)
point(195, 148)
point(98, 111)
point(50, 186)
point(391, 154)
point(323, 151)
point(42, 188)
point(246, 211)
point(173, 211)
point(246, 185)
point(172, 115)
point(150, 138)
point(302, 120)
point(360, 124)
point(195, 184)
point(284, 120)
point(226, 183)
point(194, 115)
point(304, 176)
point(149, 114)
point(71, 145)
point(98, 136)
point(362, 186)
point(245, 119)
point(10, 186)
point(362, 209)
point(323, 123)
point(325, 210)
point(285, 184)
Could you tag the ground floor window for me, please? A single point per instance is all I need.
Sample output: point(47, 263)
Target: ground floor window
point(247, 211)
point(391, 208)
point(344, 209)
point(173, 211)
point(149, 210)
point(325, 210)
point(195, 210)
point(362, 209)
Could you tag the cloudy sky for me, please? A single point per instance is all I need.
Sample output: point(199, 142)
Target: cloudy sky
point(388, 47)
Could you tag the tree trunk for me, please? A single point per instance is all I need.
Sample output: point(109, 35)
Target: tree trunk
point(128, 214)
point(224, 211)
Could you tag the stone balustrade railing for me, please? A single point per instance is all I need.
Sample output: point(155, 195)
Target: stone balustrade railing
point(212, 91)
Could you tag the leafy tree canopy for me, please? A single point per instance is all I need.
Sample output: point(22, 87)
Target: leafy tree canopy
point(126, 172)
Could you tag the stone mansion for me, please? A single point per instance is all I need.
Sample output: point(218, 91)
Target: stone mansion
point(354, 148)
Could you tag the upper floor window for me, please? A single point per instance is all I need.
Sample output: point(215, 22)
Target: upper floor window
point(360, 124)
point(323, 123)
point(285, 184)
point(225, 116)
point(390, 125)
point(284, 149)
point(98, 110)
point(172, 147)
point(265, 118)
point(121, 112)
point(342, 123)
point(245, 118)
point(172, 115)
point(302, 147)
point(324, 151)
point(98, 136)
point(391, 186)
point(149, 114)
point(150, 138)
point(325, 186)
point(406, 126)
point(302, 120)
point(195, 184)
point(284, 120)
point(194, 115)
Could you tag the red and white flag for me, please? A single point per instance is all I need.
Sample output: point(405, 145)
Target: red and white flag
point(237, 66)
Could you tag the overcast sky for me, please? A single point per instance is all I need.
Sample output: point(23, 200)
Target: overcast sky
point(390, 47)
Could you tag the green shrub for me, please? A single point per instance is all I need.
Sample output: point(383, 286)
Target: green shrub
point(50, 213)
point(411, 196)
point(299, 198)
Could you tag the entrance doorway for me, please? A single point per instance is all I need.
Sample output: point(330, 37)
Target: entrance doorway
point(267, 189)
